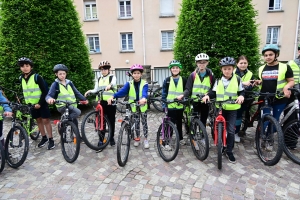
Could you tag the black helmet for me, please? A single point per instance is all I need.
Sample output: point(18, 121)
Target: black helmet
point(60, 67)
point(227, 61)
point(25, 60)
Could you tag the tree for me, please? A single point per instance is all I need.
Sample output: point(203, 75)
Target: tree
point(218, 28)
point(48, 32)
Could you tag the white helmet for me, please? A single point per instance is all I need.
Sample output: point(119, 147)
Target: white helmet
point(201, 56)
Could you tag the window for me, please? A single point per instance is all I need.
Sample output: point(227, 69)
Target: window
point(166, 8)
point(273, 35)
point(94, 45)
point(90, 10)
point(167, 38)
point(274, 4)
point(126, 42)
point(124, 8)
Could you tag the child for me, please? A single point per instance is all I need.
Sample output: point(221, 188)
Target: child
point(35, 91)
point(229, 86)
point(137, 89)
point(246, 77)
point(7, 113)
point(106, 81)
point(173, 87)
point(64, 89)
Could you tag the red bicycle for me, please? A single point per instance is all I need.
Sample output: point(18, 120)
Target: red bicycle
point(96, 127)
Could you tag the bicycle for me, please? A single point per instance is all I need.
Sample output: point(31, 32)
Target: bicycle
point(96, 127)
point(2, 152)
point(69, 133)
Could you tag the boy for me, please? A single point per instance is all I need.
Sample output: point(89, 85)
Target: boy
point(229, 86)
point(35, 91)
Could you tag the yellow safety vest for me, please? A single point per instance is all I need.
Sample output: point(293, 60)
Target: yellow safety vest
point(230, 92)
point(281, 82)
point(31, 91)
point(174, 91)
point(296, 71)
point(247, 76)
point(132, 95)
point(199, 87)
point(102, 85)
point(66, 94)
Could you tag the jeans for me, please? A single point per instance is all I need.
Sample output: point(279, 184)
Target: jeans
point(277, 110)
point(230, 117)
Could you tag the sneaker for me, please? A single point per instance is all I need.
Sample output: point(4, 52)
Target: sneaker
point(136, 142)
point(182, 142)
point(146, 144)
point(237, 138)
point(230, 157)
point(51, 144)
point(112, 142)
point(43, 142)
point(166, 147)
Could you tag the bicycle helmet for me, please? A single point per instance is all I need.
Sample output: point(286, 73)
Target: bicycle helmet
point(136, 67)
point(227, 61)
point(175, 63)
point(201, 56)
point(25, 60)
point(104, 64)
point(60, 67)
point(271, 47)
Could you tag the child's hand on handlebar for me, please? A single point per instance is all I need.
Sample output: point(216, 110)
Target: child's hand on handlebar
point(205, 99)
point(8, 114)
point(86, 93)
point(84, 102)
point(37, 106)
point(240, 100)
point(110, 100)
point(143, 101)
point(180, 97)
point(51, 101)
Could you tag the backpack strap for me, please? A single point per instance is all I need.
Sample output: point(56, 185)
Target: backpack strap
point(168, 84)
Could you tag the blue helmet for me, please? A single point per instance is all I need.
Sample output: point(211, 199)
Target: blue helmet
point(271, 47)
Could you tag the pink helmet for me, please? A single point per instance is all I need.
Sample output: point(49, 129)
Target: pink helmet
point(136, 67)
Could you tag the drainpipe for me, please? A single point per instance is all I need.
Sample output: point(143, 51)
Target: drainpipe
point(297, 28)
point(143, 34)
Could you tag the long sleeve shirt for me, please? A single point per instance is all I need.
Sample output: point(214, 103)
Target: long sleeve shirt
point(6, 108)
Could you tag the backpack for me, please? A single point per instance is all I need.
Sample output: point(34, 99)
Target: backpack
point(35, 80)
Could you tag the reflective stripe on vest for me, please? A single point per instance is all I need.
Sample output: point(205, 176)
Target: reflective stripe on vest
point(296, 71)
point(102, 85)
point(199, 87)
point(230, 92)
point(174, 91)
point(132, 95)
point(246, 77)
point(66, 94)
point(281, 82)
point(31, 91)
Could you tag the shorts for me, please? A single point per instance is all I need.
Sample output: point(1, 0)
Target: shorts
point(43, 112)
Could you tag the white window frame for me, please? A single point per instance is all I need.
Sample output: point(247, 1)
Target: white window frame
point(170, 10)
point(94, 37)
point(166, 37)
point(90, 3)
point(277, 5)
point(127, 12)
point(128, 46)
point(273, 33)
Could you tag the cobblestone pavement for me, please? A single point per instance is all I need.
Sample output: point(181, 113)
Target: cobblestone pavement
point(46, 175)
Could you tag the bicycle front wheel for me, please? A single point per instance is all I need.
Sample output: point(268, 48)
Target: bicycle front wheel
point(220, 145)
point(2, 158)
point(123, 144)
point(34, 129)
point(91, 133)
point(157, 104)
point(120, 107)
point(167, 141)
point(199, 140)
point(17, 146)
point(291, 140)
point(70, 141)
point(269, 140)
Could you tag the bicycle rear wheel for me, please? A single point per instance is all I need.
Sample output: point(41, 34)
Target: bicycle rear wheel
point(123, 144)
point(291, 140)
point(2, 158)
point(16, 146)
point(90, 130)
point(199, 140)
point(70, 141)
point(220, 145)
point(120, 107)
point(167, 141)
point(157, 104)
point(35, 130)
point(269, 141)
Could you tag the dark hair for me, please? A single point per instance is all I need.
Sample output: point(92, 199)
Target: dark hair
point(242, 57)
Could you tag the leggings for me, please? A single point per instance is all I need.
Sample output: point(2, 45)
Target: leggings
point(144, 123)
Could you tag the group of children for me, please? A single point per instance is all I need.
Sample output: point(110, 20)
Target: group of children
point(273, 76)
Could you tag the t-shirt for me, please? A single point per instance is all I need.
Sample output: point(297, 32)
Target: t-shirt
point(269, 84)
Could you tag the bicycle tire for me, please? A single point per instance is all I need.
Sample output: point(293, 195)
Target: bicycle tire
point(17, 146)
point(123, 141)
point(220, 144)
point(91, 135)
point(70, 136)
point(265, 144)
point(157, 104)
point(2, 164)
point(34, 135)
point(291, 135)
point(167, 147)
point(199, 140)
point(120, 107)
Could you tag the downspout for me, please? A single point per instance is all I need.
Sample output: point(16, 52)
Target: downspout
point(297, 25)
point(143, 34)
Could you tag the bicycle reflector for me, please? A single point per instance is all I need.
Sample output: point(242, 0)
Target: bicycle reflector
point(120, 120)
point(55, 121)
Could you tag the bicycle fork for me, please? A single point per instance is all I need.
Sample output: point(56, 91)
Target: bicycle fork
point(220, 119)
point(101, 121)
